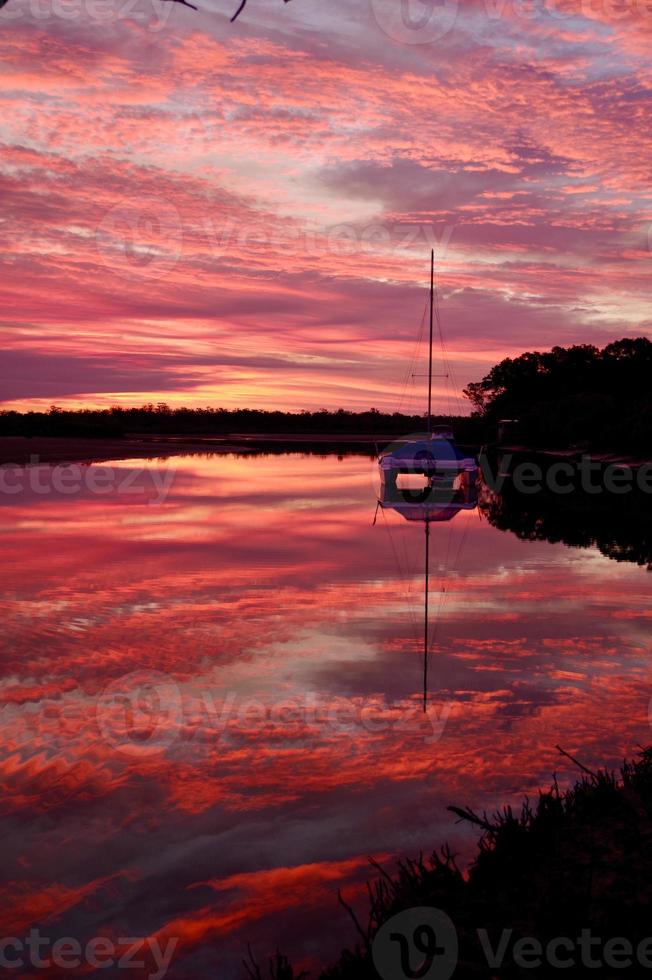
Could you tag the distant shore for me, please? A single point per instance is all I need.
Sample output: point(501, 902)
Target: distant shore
point(53, 449)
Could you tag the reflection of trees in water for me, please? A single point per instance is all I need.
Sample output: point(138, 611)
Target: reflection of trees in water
point(619, 526)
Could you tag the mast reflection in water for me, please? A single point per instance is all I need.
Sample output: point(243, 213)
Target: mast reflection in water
point(437, 501)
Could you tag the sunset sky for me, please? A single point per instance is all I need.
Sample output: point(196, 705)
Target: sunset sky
point(206, 213)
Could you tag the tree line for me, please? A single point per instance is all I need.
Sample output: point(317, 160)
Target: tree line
point(161, 419)
point(580, 395)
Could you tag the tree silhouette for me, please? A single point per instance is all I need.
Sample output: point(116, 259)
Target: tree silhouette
point(573, 395)
point(569, 862)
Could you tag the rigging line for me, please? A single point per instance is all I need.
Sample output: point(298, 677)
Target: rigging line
point(413, 581)
point(410, 567)
point(416, 357)
point(462, 541)
point(402, 547)
point(446, 360)
point(409, 377)
point(444, 586)
point(442, 596)
point(416, 354)
point(463, 537)
point(440, 336)
point(411, 611)
point(444, 354)
point(443, 582)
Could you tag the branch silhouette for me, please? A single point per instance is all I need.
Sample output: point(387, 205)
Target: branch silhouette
point(242, 6)
point(184, 3)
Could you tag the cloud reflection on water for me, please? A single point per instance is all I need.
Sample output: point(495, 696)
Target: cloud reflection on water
point(262, 581)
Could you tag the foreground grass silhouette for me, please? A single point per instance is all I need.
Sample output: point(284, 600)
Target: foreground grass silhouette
point(579, 859)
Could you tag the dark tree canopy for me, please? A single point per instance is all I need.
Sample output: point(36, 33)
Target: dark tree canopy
point(568, 863)
point(111, 423)
point(573, 394)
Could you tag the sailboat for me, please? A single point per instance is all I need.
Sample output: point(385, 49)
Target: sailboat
point(450, 481)
point(433, 454)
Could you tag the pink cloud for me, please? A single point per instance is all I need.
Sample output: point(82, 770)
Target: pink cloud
point(177, 198)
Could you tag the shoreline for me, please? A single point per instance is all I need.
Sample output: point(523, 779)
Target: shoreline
point(21, 450)
point(605, 457)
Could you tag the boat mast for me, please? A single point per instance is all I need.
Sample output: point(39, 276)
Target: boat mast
point(432, 312)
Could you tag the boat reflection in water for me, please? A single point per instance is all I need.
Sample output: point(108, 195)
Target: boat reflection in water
point(437, 501)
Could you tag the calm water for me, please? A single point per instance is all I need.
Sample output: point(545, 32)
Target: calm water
point(212, 701)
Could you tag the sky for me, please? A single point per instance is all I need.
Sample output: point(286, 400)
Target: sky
point(206, 213)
